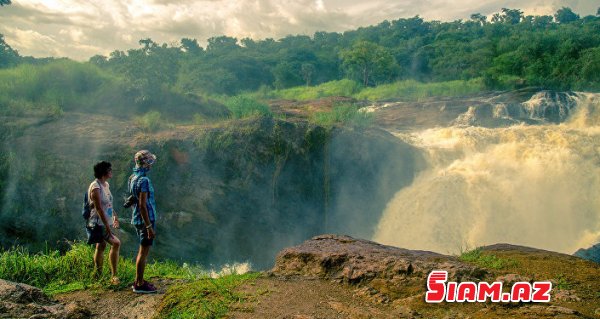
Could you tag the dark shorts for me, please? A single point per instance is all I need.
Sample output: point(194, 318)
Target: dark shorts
point(96, 234)
point(142, 233)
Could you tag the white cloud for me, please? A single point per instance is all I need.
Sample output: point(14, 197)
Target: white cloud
point(82, 28)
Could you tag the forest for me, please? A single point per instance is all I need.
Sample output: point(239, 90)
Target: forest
point(505, 51)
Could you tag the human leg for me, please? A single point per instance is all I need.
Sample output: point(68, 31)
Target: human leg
point(99, 258)
point(115, 246)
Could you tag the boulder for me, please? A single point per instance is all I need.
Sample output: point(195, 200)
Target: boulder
point(24, 301)
point(395, 272)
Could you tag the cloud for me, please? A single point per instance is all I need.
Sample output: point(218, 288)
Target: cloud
point(81, 28)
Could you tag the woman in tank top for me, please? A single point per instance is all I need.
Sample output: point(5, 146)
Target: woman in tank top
point(102, 219)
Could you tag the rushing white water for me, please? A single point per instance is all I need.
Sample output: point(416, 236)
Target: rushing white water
point(533, 185)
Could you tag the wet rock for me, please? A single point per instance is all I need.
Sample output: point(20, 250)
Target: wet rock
point(24, 301)
point(366, 263)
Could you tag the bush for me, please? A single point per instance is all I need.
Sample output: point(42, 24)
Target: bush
point(343, 114)
point(150, 122)
point(486, 260)
point(243, 106)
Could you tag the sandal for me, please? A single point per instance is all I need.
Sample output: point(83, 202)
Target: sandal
point(115, 281)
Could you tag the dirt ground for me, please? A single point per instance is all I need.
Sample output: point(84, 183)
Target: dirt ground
point(118, 304)
point(307, 299)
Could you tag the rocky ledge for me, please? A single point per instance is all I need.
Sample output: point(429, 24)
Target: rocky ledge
point(24, 301)
point(397, 277)
point(365, 263)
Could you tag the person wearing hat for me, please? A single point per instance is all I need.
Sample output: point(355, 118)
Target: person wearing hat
point(143, 216)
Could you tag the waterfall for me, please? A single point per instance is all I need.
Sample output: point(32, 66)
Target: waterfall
point(533, 185)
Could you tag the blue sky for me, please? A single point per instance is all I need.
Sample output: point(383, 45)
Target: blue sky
point(80, 29)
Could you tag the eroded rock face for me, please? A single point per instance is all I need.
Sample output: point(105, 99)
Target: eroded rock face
point(390, 270)
point(24, 301)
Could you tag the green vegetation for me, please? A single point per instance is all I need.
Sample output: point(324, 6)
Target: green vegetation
point(411, 90)
point(48, 90)
point(343, 114)
point(151, 122)
point(334, 88)
point(562, 283)
point(204, 298)
point(408, 59)
point(486, 260)
point(243, 106)
point(56, 273)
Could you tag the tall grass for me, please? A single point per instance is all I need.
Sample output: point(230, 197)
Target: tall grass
point(409, 90)
point(152, 121)
point(334, 88)
point(343, 114)
point(242, 106)
point(54, 272)
point(49, 89)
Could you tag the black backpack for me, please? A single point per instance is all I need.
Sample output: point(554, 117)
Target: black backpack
point(86, 210)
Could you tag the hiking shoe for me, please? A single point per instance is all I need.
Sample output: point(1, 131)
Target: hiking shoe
point(145, 288)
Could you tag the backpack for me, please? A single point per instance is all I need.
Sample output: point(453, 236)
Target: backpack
point(86, 210)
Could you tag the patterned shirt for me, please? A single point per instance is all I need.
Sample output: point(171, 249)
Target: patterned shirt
point(106, 200)
point(140, 183)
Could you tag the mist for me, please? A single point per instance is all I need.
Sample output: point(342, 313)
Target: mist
point(528, 185)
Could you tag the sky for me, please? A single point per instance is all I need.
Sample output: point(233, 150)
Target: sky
point(79, 29)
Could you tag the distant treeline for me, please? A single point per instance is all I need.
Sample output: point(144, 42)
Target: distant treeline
point(505, 51)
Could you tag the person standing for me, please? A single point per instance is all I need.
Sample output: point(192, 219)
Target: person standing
point(102, 219)
point(143, 216)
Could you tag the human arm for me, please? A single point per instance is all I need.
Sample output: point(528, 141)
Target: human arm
point(143, 199)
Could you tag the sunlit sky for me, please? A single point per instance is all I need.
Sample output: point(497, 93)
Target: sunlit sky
point(80, 29)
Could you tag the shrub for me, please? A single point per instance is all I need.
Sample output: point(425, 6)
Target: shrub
point(343, 114)
point(243, 106)
point(486, 260)
point(150, 122)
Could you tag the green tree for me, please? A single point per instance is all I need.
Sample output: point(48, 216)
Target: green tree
point(565, 15)
point(369, 59)
point(508, 16)
point(479, 18)
point(191, 46)
point(8, 56)
point(307, 70)
point(4, 2)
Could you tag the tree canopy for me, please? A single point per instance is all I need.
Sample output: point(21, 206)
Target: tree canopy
point(506, 50)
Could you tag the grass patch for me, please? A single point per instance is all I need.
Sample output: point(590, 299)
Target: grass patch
point(486, 260)
point(152, 122)
point(204, 298)
point(411, 90)
point(343, 114)
point(408, 90)
point(303, 93)
point(242, 106)
point(55, 273)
